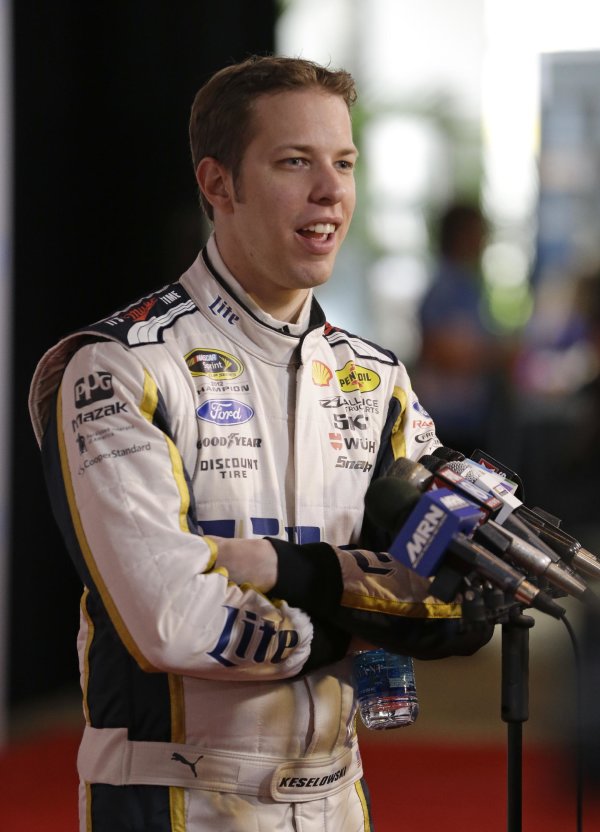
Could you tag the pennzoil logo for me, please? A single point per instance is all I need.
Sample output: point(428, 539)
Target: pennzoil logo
point(321, 374)
point(354, 377)
point(214, 364)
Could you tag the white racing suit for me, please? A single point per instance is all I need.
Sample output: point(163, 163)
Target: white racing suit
point(188, 416)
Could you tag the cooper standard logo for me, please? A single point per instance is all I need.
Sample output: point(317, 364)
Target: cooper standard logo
point(214, 364)
point(93, 388)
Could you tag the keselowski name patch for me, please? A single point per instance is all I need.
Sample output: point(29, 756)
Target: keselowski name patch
point(308, 780)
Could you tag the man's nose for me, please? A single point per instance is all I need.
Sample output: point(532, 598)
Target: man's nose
point(328, 186)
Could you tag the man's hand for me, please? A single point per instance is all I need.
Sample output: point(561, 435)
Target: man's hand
point(247, 561)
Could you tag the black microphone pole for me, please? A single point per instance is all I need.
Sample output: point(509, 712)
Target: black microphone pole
point(515, 706)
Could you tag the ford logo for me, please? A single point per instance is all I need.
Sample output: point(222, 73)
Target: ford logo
point(224, 412)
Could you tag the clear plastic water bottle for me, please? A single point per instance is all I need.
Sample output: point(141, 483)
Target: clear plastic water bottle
point(385, 687)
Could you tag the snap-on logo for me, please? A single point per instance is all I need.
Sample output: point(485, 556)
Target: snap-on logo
point(225, 412)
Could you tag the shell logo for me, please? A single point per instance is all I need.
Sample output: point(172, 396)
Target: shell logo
point(354, 377)
point(321, 374)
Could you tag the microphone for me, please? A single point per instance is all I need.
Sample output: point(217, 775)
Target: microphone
point(507, 539)
point(431, 536)
point(567, 547)
point(448, 454)
point(423, 475)
point(543, 525)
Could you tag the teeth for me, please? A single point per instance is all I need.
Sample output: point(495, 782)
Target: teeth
point(321, 228)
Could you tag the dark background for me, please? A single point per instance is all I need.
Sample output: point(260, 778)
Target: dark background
point(105, 209)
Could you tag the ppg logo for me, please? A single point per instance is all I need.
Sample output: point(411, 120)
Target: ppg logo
point(93, 388)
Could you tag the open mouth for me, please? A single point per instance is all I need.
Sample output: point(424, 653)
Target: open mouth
point(320, 231)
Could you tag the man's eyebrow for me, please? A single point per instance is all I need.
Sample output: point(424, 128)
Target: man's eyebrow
point(306, 148)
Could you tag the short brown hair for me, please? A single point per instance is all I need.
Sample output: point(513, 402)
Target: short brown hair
point(221, 123)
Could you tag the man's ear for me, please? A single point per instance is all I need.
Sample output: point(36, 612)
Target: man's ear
point(216, 183)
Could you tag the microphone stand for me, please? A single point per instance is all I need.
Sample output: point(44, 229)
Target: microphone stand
point(515, 705)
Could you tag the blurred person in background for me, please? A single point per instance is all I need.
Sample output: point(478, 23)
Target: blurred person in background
point(574, 458)
point(460, 373)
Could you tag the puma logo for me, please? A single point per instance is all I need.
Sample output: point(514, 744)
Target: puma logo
point(181, 759)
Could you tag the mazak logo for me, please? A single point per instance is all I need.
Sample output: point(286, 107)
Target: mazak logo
point(93, 388)
point(225, 412)
point(354, 377)
point(214, 364)
point(321, 374)
point(115, 409)
point(423, 535)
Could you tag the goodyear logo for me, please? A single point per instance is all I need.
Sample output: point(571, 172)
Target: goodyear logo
point(214, 364)
point(321, 374)
point(354, 377)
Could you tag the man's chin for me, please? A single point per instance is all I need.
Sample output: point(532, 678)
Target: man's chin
point(317, 275)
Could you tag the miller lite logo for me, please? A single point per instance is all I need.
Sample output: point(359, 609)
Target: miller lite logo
point(141, 312)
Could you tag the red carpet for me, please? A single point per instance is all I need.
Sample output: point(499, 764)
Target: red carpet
point(414, 788)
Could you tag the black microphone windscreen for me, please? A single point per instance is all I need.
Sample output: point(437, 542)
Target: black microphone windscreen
point(388, 502)
point(432, 463)
point(412, 472)
point(448, 454)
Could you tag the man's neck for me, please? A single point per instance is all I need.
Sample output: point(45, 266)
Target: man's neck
point(281, 304)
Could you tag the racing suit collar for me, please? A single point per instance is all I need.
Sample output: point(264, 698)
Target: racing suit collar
point(311, 315)
point(298, 328)
point(219, 298)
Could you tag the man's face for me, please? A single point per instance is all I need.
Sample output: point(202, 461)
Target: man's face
point(294, 196)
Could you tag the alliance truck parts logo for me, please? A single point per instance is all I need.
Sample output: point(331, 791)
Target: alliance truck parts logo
point(214, 364)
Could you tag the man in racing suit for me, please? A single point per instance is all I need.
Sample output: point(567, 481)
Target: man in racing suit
point(207, 451)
